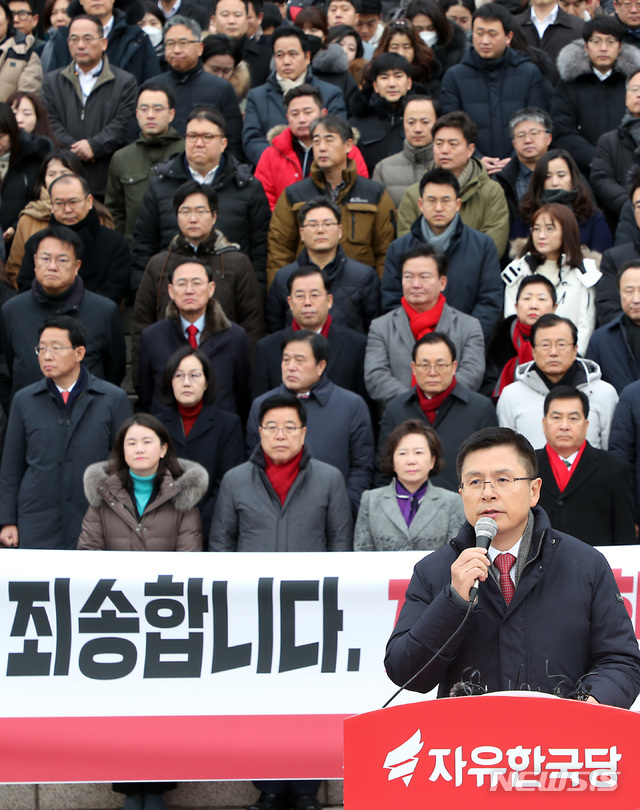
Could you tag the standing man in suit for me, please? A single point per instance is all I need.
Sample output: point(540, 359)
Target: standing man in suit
point(310, 301)
point(585, 492)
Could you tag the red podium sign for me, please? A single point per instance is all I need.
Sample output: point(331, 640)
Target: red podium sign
point(504, 750)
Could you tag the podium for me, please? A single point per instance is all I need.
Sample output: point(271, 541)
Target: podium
point(503, 750)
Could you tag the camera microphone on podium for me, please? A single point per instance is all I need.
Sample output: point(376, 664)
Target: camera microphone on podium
point(486, 529)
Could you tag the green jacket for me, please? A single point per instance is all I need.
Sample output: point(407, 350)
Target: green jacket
point(484, 207)
point(131, 169)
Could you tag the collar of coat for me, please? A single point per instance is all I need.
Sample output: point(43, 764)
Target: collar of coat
point(349, 175)
point(213, 245)
point(106, 75)
point(67, 301)
point(185, 491)
point(215, 320)
point(574, 62)
point(257, 457)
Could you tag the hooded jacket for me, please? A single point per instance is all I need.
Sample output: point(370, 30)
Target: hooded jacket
point(315, 516)
point(520, 406)
point(265, 109)
point(575, 289)
point(279, 166)
point(584, 108)
point(368, 219)
point(130, 171)
point(237, 289)
point(331, 65)
point(567, 619)
point(402, 169)
point(20, 67)
point(243, 212)
point(491, 92)
point(129, 48)
point(169, 522)
point(484, 206)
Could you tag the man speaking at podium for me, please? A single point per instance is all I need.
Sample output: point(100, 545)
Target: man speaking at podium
point(548, 615)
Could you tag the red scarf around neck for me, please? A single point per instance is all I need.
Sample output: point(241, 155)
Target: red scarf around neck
point(430, 406)
point(524, 353)
point(421, 323)
point(189, 414)
point(282, 476)
point(324, 331)
point(560, 471)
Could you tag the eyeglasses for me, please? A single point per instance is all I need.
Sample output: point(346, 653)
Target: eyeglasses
point(55, 349)
point(60, 205)
point(86, 39)
point(559, 345)
point(193, 376)
point(205, 137)
point(145, 109)
point(59, 261)
point(272, 430)
point(439, 368)
point(21, 15)
point(501, 483)
point(172, 44)
point(627, 4)
point(531, 133)
point(202, 211)
point(326, 224)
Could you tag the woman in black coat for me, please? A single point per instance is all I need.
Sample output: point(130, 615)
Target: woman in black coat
point(21, 157)
point(200, 432)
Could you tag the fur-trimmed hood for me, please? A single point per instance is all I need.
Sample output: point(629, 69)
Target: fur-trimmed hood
point(241, 80)
point(574, 62)
point(190, 487)
point(214, 320)
point(331, 60)
point(215, 244)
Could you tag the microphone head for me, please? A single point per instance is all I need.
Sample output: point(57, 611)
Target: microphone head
point(486, 529)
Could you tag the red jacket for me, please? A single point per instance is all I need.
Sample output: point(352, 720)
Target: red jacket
point(279, 166)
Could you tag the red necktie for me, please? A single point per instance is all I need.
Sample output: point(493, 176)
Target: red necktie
point(65, 396)
point(504, 564)
point(192, 331)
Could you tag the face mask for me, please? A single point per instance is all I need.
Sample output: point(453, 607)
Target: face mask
point(429, 37)
point(154, 34)
point(314, 44)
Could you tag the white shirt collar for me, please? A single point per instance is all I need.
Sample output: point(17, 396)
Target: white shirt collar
point(173, 10)
point(199, 325)
point(494, 552)
point(602, 76)
point(542, 25)
point(206, 179)
point(108, 27)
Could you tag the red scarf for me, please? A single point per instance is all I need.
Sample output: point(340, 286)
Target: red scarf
point(560, 471)
point(324, 331)
point(522, 345)
point(421, 323)
point(282, 476)
point(430, 406)
point(189, 414)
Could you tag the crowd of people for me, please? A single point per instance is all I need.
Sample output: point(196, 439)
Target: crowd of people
point(344, 237)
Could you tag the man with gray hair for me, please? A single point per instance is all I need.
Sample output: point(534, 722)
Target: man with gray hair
point(192, 84)
point(368, 214)
point(530, 131)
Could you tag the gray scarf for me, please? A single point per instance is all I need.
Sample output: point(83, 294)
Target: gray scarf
point(439, 242)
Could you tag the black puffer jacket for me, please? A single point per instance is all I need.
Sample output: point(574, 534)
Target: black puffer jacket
point(243, 212)
point(584, 108)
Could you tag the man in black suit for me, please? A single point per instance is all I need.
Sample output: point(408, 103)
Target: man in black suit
point(586, 492)
point(310, 301)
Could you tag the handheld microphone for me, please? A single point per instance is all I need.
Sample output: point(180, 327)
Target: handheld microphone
point(486, 529)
